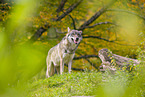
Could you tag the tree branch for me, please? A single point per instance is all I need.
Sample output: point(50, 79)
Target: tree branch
point(77, 69)
point(92, 19)
point(61, 6)
point(70, 9)
point(95, 16)
point(91, 63)
point(39, 32)
point(85, 56)
point(98, 24)
point(72, 19)
point(98, 38)
point(44, 28)
point(121, 10)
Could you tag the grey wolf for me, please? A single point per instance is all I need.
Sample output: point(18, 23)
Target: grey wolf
point(63, 53)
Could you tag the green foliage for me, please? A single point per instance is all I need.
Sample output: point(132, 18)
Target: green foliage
point(21, 61)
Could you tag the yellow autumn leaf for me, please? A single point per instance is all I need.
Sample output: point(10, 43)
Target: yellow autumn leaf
point(133, 0)
point(144, 5)
point(36, 26)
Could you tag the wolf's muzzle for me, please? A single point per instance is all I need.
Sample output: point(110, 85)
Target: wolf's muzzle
point(77, 39)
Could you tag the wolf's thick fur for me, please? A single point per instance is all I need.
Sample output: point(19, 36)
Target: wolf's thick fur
point(63, 53)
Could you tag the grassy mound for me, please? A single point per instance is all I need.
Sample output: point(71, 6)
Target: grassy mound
point(120, 84)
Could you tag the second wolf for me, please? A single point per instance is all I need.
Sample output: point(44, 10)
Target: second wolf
point(63, 53)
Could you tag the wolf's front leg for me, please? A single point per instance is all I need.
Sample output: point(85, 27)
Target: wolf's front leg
point(70, 63)
point(69, 66)
point(61, 65)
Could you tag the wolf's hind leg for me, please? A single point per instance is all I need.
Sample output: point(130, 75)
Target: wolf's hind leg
point(48, 62)
point(50, 70)
point(58, 69)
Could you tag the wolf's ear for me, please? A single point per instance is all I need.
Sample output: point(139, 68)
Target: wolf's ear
point(68, 32)
point(68, 29)
point(80, 32)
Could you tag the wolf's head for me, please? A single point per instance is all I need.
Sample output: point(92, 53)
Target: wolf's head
point(74, 36)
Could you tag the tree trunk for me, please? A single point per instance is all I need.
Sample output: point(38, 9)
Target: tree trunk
point(111, 61)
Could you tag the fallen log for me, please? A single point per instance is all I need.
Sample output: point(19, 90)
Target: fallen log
point(112, 61)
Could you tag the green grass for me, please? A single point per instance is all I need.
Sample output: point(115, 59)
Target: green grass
point(66, 85)
point(120, 84)
point(88, 83)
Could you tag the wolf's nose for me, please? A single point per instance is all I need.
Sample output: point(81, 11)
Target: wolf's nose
point(77, 39)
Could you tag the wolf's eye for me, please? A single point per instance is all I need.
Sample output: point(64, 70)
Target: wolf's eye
point(79, 35)
point(72, 39)
point(73, 34)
